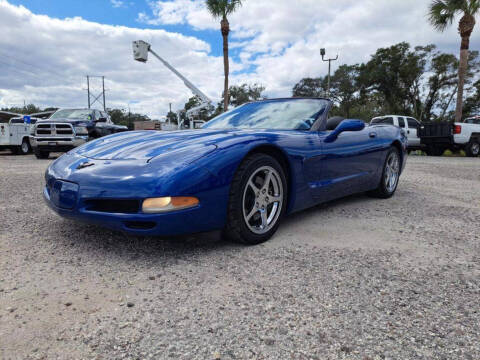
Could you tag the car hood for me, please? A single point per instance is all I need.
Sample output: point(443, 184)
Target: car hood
point(146, 145)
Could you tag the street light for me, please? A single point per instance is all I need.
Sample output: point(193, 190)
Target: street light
point(322, 53)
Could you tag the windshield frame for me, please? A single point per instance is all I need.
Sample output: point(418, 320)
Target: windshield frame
point(319, 123)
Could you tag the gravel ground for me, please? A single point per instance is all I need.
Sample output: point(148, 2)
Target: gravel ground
point(357, 278)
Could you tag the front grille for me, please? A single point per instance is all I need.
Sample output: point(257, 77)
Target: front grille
point(40, 139)
point(113, 206)
point(52, 129)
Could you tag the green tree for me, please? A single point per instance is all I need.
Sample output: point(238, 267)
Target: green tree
point(241, 94)
point(395, 73)
point(122, 117)
point(344, 88)
point(309, 87)
point(441, 15)
point(172, 117)
point(27, 109)
point(472, 103)
point(221, 9)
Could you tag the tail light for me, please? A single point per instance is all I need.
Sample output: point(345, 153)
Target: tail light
point(457, 129)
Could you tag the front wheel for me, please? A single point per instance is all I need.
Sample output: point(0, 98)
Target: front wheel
point(473, 148)
point(40, 154)
point(390, 175)
point(25, 147)
point(258, 198)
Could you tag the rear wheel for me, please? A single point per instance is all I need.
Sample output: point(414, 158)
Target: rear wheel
point(473, 148)
point(40, 154)
point(257, 200)
point(390, 175)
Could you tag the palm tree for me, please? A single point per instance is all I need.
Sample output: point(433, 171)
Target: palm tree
point(220, 9)
point(441, 15)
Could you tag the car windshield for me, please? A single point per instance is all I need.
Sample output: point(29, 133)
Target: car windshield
point(81, 114)
point(287, 114)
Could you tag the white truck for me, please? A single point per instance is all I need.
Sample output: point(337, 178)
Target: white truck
point(437, 137)
point(407, 123)
point(14, 134)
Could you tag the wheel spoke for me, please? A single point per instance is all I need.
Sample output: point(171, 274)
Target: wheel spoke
point(263, 214)
point(266, 184)
point(253, 186)
point(251, 213)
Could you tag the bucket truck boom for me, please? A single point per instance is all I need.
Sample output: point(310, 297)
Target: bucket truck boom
point(140, 53)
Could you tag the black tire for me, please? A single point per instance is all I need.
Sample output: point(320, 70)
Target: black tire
point(473, 148)
point(236, 228)
point(25, 148)
point(382, 191)
point(40, 154)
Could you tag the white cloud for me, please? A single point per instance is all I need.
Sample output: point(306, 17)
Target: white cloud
point(192, 12)
point(282, 38)
point(117, 3)
point(45, 60)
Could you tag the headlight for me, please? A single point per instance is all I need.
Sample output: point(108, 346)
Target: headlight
point(81, 130)
point(164, 204)
point(32, 130)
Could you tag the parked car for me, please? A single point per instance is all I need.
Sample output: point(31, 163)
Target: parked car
point(68, 128)
point(14, 134)
point(440, 136)
point(407, 123)
point(242, 172)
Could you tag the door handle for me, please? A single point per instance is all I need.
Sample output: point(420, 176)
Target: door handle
point(373, 134)
point(408, 131)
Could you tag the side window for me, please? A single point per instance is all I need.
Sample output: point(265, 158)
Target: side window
point(401, 122)
point(385, 120)
point(412, 123)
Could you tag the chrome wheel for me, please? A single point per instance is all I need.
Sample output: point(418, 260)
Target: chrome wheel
point(392, 170)
point(262, 200)
point(475, 148)
point(24, 147)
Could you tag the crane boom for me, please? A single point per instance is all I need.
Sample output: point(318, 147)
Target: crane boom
point(187, 83)
point(140, 53)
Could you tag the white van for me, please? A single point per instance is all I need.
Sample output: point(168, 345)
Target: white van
point(407, 123)
point(14, 134)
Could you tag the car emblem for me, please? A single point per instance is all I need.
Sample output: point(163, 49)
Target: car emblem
point(84, 165)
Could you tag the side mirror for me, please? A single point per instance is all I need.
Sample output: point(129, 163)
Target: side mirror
point(345, 125)
point(102, 119)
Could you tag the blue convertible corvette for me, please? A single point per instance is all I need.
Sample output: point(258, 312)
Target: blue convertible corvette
point(242, 172)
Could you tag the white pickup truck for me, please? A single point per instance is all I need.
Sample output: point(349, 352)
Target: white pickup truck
point(14, 134)
point(407, 123)
point(440, 136)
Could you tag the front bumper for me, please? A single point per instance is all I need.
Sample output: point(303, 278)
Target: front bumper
point(51, 143)
point(69, 203)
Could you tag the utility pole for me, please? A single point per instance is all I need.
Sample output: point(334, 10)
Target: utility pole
point(322, 52)
point(88, 90)
point(92, 98)
point(103, 91)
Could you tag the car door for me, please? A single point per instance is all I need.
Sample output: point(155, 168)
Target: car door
point(346, 165)
point(412, 135)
